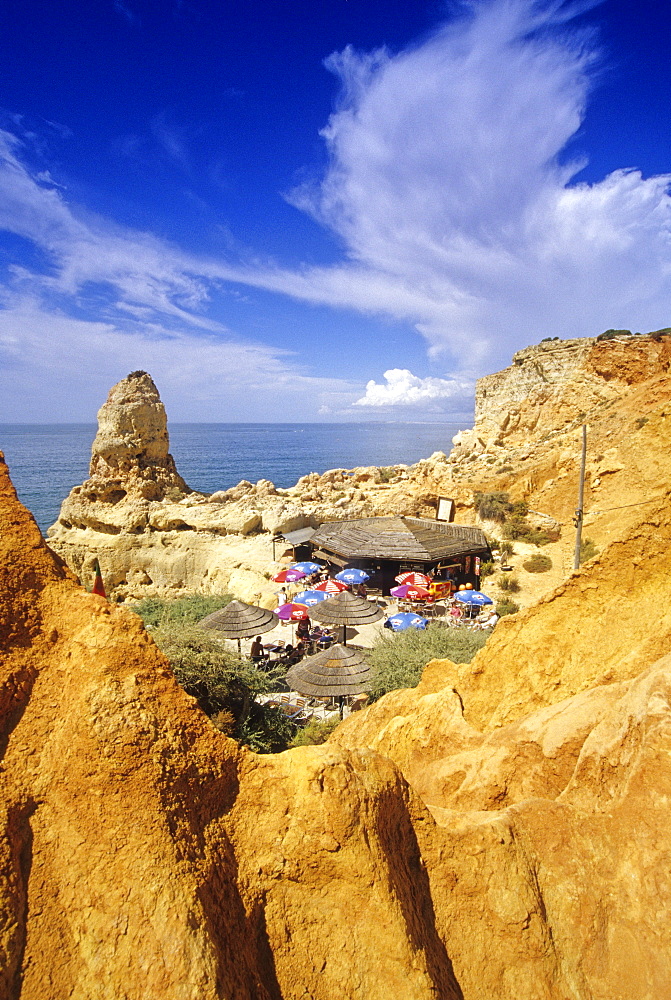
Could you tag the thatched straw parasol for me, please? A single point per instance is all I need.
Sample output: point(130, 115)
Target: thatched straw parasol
point(240, 621)
point(346, 609)
point(334, 672)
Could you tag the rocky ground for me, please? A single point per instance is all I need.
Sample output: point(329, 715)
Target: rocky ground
point(153, 536)
point(500, 831)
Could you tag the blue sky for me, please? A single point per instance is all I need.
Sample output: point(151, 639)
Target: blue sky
point(346, 211)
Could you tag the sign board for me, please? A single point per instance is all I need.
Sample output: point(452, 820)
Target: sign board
point(445, 509)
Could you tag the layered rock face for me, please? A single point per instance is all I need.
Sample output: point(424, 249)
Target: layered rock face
point(144, 855)
point(154, 536)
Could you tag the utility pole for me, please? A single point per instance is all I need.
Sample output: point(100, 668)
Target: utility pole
point(578, 519)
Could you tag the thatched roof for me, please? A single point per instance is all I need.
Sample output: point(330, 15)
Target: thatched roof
point(407, 539)
point(345, 609)
point(339, 670)
point(240, 621)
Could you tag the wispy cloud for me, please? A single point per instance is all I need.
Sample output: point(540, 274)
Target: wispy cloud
point(449, 184)
point(451, 187)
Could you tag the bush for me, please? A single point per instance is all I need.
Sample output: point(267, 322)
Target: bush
point(506, 548)
point(397, 660)
point(519, 529)
point(265, 730)
point(609, 334)
point(492, 506)
point(640, 422)
point(316, 732)
point(486, 569)
point(225, 685)
point(588, 550)
point(156, 611)
point(506, 607)
point(538, 564)
point(386, 473)
point(510, 584)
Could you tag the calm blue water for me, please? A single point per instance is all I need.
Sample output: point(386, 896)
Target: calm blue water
point(46, 461)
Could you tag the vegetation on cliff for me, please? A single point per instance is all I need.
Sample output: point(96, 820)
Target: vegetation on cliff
point(397, 660)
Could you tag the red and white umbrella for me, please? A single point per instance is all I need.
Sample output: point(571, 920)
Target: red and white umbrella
point(289, 576)
point(331, 586)
point(292, 612)
point(414, 579)
point(407, 592)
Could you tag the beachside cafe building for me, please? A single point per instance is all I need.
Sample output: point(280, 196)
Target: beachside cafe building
point(387, 546)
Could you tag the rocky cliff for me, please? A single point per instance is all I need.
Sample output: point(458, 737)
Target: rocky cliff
point(501, 831)
point(144, 855)
point(155, 537)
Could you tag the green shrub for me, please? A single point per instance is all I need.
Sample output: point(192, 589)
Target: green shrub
point(317, 731)
point(538, 564)
point(486, 569)
point(588, 550)
point(519, 529)
point(265, 730)
point(509, 583)
point(386, 473)
point(609, 334)
point(506, 607)
point(156, 611)
point(492, 506)
point(640, 422)
point(397, 660)
point(516, 528)
point(506, 548)
point(225, 685)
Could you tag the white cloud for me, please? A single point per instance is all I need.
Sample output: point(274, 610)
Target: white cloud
point(447, 185)
point(447, 188)
point(402, 388)
point(56, 368)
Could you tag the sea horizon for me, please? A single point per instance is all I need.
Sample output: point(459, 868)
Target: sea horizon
point(46, 460)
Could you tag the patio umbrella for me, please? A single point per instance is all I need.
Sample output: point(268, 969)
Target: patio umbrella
point(290, 612)
point(473, 597)
point(414, 579)
point(346, 609)
point(332, 673)
point(405, 619)
point(289, 576)
point(412, 593)
point(330, 586)
point(240, 621)
point(307, 567)
point(352, 575)
point(310, 597)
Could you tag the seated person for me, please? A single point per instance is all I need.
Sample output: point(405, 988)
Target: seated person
point(303, 629)
point(257, 652)
point(291, 655)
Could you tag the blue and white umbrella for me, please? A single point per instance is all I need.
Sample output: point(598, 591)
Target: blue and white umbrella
point(310, 597)
point(473, 597)
point(307, 567)
point(405, 619)
point(352, 575)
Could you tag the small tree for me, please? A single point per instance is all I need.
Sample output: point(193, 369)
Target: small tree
point(397, 660)
point(538, 563)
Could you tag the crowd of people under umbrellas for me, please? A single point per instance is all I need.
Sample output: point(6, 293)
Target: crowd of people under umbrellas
point(464, 607)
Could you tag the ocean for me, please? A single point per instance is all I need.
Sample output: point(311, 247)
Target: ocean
point(47, 460)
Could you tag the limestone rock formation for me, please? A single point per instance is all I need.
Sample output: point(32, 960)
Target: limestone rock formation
point(526, 441)
point(154, 536)
point(145, 856)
